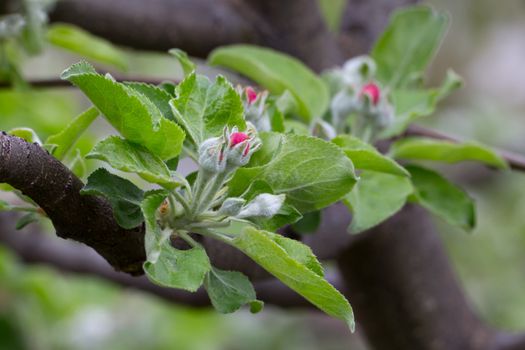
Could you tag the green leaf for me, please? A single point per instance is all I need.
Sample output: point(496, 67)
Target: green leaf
point(313, 173)
point(4, 206)
point(132, 158)
point(277, 72)
point(229, 290)
point(154, 237)
point(445, 151)
point(412, 104)
point(78, 164)
point(130, 112)
point(183, 269)
point(442, 198)
point(187, 65)
point(375, 198)
point(26, 220)
point(79, 41)
point(332, 11)
point(365, 156)
point(26, 134)
point(298, 251)
point(159, 97)
point(124, 196)
point(66, 138)
point(408, 44)
point(204, 107)
point(308, 224)
point(259, 246)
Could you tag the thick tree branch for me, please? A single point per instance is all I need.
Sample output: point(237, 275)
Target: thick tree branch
point(87, 219)
point(404, 291)
point(196, 26)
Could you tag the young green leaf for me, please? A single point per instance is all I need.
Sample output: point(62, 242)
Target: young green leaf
point(313, 173)
point(4, 206)
point(130, 157)
point(408, 45)
point(298, 251)
point(204, 107)
point(78, 164)
point(333, 11)
point(277, 72)
point(154, 238)
point(66, 138)
point(276, 260)
point(183, 269)
point(27, 134)
point(79, 41)
point(187, 65)
point(308, 224)
point(130, 112)
point(229, 290)
point(124, 196)
point(364, 156)
point(159, 97)
point(442, 198)
point(445, 151)
point(25, 220)
point(375, 198)
point(412, 104)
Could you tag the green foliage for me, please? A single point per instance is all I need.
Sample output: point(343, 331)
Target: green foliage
point(130, 157)
point(183, 269)
point(25, 220)
point(124, 196)
point(364, 156)
point(204, 108)
point(130, 112)
point(187, 65)
point(66, 139)
point(408, 44)
point(412, 104)
point(154, 237)
point(445, 151)
point(442, 198)
point(77, 40)
point(277, 72)
point(311, 172)
point(160, 97)
point(375, 198)
point(259, 246)
point(26, 133)
point(229, 290)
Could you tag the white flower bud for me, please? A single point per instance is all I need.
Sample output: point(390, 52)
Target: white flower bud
point(264, 205)
point(212, 155)
point(358, 70)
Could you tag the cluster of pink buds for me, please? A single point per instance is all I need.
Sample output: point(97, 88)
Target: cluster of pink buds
point(255, 107)
point(231, 150)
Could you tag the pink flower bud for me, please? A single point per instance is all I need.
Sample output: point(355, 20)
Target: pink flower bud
point(237, 137)
point(251, 94)
point(372, 91)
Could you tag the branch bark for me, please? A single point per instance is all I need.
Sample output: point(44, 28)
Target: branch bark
point(196, 26)
point(404, 291)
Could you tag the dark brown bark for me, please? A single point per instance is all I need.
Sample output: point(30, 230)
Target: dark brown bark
point(86, 219)
point(403, 289)
point(196, 26)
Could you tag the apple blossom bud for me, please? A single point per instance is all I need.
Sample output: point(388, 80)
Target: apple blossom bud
point(264, 205)
point(211, 155)
point(251, 94)
point(372, 91)
point(237, 137)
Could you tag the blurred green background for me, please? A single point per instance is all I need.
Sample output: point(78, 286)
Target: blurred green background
point(43, 309)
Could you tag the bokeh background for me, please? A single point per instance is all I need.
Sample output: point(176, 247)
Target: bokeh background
point(42, 309)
